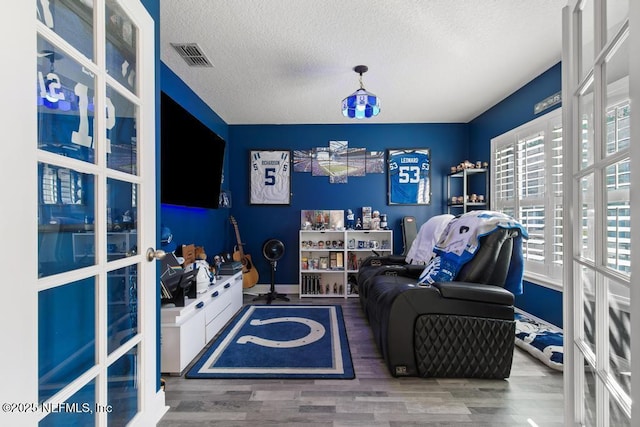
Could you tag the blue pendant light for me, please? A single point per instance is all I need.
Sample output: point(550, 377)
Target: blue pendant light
point(361, 104)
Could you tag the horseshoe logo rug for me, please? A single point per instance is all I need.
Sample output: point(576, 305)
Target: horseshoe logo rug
point(316, 332)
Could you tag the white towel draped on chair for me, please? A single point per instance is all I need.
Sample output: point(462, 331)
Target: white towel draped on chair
point(460, 240)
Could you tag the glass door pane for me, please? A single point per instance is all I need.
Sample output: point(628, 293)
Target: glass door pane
point(121, 42)
point(618, 200)
point(82, 403)
point(122, 133)
point(123, 388)
point(617, 12)
point(66, 201)
point(71, 20)
point(69, 336)
point(122, 306)
point(587, 284)
point(617, 107)
point(122, 236)
point(590, 381)
point(65, 94)
point(617, 416)
point(619, 299)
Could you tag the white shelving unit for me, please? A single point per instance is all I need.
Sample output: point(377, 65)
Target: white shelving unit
point(328, 259)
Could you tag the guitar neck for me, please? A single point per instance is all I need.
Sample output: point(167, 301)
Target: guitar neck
point(240, 249)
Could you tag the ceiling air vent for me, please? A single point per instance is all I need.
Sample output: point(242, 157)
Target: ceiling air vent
point(192, 54)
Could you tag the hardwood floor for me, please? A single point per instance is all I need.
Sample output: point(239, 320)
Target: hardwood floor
point(532, 396)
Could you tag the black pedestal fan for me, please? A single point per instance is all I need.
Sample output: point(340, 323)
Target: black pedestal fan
point(272, 250)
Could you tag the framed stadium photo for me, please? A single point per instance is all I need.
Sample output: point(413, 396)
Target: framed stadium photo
point(270, 182)
point(409, 177)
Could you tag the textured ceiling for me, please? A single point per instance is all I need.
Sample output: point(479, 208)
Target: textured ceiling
point(291, 61)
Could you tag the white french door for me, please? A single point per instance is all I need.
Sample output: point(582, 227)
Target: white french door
point(79, 169)
point(600, 83)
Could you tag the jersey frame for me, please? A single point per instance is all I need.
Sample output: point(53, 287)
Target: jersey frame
point(410, 183)
point(270, 177)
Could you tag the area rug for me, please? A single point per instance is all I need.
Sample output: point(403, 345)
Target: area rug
point(280, 341)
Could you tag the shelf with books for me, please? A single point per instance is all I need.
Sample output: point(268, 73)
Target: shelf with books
point(329, 259)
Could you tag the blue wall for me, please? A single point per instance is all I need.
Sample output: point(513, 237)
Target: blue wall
point(448, 144)
point(542, 302)
point(513, 111)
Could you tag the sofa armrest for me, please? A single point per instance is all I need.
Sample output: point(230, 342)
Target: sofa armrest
point(475, 292)
point(412, 270)
point(396, 259)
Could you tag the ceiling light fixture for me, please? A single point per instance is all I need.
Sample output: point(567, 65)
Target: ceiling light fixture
point(361, 104)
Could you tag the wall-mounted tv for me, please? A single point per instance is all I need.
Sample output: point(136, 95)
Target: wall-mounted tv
point(191, 156)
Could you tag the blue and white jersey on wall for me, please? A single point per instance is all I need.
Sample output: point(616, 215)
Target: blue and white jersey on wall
point(409, 177)
point(270, 177)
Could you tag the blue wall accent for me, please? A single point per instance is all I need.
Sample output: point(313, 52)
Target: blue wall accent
point(513, 111)
point(543, 302)
point(448, 144)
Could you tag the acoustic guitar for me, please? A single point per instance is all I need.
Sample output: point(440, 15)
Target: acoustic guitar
point(249, 272)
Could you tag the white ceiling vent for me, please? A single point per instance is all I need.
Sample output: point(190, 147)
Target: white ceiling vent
point(192, 54)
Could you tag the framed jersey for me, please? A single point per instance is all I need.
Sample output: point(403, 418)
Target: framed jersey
point(270, 182)
point(408, 172)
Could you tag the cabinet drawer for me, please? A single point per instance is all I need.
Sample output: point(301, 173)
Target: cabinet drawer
point(222, 307)
point(216, 324)
point(220, 299)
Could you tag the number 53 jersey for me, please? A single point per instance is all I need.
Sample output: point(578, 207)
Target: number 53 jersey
point(409, 178)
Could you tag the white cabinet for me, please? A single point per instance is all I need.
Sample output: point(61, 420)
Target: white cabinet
point(329, 259)
point(186, 330)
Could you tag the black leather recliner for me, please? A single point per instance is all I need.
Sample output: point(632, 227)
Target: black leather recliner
point(463, 329)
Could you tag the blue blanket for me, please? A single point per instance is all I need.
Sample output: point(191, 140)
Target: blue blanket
point(461, 239)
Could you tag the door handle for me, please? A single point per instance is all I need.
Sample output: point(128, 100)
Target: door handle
point(154, 254)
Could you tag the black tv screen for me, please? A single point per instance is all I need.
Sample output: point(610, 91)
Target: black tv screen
point(191, 158)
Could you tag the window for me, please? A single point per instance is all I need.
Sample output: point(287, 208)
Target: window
point(527, 184)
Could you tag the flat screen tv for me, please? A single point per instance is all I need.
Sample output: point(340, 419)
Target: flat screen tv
point(191, 158)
